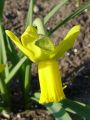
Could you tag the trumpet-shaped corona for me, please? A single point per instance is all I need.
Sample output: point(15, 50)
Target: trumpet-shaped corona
point(50, 81)
point(40, 49)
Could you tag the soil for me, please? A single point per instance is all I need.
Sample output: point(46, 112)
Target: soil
point(29, 115)
point(74, 66)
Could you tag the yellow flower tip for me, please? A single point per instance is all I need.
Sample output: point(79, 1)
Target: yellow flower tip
point(50, 82)
point(12, 36)
point(2, 66)
point(75, 29)
point(31, 29)
point(29, 35)
point(8, 32)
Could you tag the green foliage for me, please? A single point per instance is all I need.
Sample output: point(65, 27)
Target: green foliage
point(58, 111)
point(1, 10)
point(80, 110)
point(29, 19)
point(14, 70)
point(77, 12)
point(55, 9)
point(4, 56)
point(77, 107)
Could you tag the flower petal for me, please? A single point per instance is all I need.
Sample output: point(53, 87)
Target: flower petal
point(29, 39)
point(19, 45)
point(67, 42)
point(29, 36)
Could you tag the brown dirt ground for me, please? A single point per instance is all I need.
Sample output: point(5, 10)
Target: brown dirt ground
point(75, 65)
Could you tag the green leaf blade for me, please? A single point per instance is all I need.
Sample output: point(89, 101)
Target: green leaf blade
point(58, 112)
point(15, 69)
point(1, 9)
point(27, 83)
point(29, 18)
point(3, 50)
point(54, 11)
point(77, 12)
point(79, 108)
point(55, 108)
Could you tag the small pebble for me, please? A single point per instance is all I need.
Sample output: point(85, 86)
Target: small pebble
point(18, 116)
point(68, 53)
point(36, 9)
point(88, 45)
point(75, 50)
point(86, 10)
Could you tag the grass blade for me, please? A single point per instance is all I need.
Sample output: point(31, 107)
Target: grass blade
point(3, 49)
point(77, 12)
point(29, 18)
point(4, 92)
point(27, 83)
point(1, 9)
point(11, 51)
point(5, 95)
point(77, 107)
point(54, 108)
point(54, 10)
point(58, 112)
point(15, 69)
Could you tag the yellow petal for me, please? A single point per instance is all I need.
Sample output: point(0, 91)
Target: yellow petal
point(19, 45)
point(28, 40)
point(2, 66)
point(29, 36)
point(75, 29)
point(50, 82)
point(32, 30)
point(67, 43)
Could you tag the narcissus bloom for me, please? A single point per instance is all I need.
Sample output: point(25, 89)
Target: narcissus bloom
point(40, 49)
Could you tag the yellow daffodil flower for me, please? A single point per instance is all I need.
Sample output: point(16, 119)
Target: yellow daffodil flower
point(40, 49)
